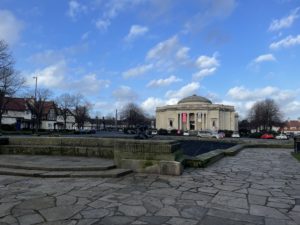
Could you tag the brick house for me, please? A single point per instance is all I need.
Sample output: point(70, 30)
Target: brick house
point(17, 112)
point(292, 126)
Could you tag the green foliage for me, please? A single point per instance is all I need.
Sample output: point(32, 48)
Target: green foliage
point(8, 127)
point(255, 135)
point(296, 155)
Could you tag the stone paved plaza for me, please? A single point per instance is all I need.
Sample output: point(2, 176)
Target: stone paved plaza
point(258, 186)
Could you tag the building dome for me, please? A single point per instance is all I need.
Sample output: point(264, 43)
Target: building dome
point(195, 99)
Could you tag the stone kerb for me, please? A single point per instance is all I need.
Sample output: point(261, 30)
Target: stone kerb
point(148, 156)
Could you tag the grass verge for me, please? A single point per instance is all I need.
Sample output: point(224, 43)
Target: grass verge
point(296, 155)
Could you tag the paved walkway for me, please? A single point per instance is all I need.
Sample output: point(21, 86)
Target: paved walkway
point(258, 186)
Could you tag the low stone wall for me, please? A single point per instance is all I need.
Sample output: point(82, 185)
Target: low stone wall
point(72, 146)
point(208, 158)
point(147, 156)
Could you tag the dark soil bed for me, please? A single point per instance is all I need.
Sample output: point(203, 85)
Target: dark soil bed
point(193, 148)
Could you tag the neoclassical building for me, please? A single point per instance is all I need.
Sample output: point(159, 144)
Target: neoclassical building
point(196, 113)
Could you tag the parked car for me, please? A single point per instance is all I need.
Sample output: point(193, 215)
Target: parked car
point(235, 135)
point(267, 136)
point(222, 134)
point(186, 133)
point(208, 134)
point(154, 132)
point(282, 137)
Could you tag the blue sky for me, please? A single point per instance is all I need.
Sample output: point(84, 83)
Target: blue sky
point(156, 52)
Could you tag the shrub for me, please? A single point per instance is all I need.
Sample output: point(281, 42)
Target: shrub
point(8, 127)
point(255, 135)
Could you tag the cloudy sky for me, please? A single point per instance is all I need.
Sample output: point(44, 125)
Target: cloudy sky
point(156, 52)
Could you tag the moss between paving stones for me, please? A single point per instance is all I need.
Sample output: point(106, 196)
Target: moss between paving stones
point(208, 158)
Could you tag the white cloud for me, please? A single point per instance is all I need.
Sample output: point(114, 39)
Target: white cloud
point(243, 99)
point(184, 91)
point(150, 104)
point(10, 27)
point(52, 76)
point(242, 93)
point(137, 71)
point(102, 24)
point(285, 22)
point(168, 55)
point(52, 56)
point(207, 66)
point(163, 48)
point(203, 73)
point(124, 94)
point(182, 53)
point(265, 58)
point(136, 31)
point(56, 77)
point(204, 61)
point(289, 41)
point(88, 84)
point(112, 9)
point(163, 82)
point(292, 109)
point(75, 8)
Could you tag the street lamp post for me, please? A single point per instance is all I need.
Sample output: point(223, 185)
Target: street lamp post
point(35, 91)
point(36, 78)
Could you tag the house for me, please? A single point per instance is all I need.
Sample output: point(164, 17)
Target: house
point(17, 112)
point(70, 120)
point(292, 126)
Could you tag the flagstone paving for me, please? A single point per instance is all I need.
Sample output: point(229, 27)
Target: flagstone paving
point(257, 186)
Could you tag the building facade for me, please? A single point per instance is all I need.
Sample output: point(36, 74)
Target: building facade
point(196, 113)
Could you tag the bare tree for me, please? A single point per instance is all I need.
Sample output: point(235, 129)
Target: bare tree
point(81, 110)
point(65, 102)
point(37, 106)
point(10, 80)
point(264, 115)
point(133, 115)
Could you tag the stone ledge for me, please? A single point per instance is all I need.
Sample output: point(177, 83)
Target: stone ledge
point(208, 158)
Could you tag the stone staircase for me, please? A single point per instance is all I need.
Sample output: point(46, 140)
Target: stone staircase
point(59, 167)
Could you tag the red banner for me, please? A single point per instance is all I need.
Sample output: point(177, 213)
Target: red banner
point(184, 117)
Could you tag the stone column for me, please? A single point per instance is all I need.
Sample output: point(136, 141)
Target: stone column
point(196, 120)
point(188, 121)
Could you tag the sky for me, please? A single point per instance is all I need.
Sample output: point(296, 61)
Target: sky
point(155, 52)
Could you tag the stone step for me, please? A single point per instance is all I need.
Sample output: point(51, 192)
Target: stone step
point(54, 168)
point(55, 163)
point(113, 173)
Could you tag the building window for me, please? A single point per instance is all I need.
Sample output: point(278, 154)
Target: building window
point(171, 123)
point(49, 125)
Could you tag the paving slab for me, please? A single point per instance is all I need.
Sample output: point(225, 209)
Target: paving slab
point(254, 187)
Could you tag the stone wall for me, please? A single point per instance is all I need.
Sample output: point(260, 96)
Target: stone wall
point(148, 156)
